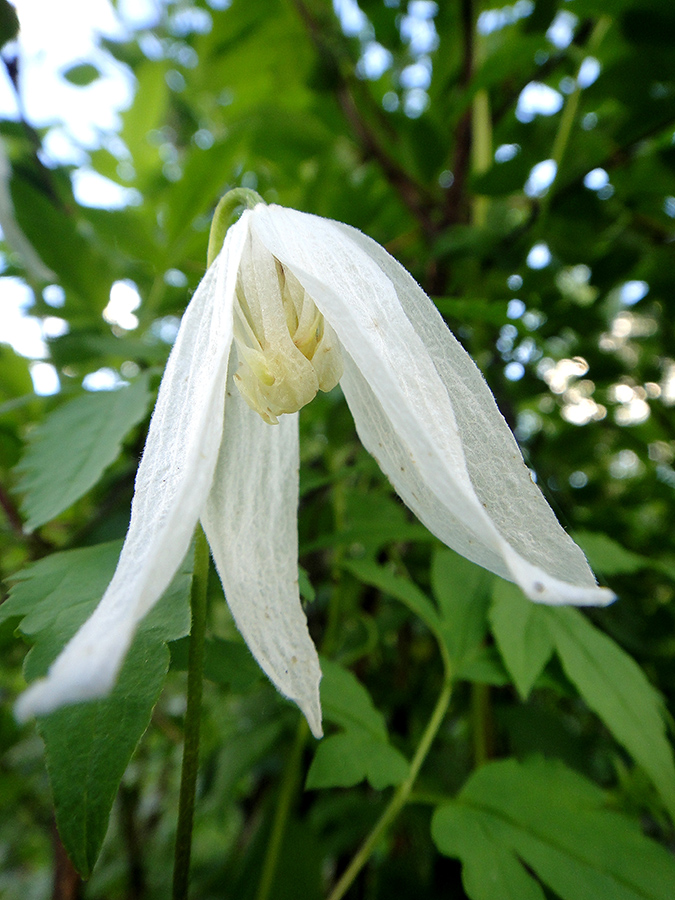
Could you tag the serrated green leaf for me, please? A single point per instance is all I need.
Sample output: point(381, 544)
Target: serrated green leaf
point(63, 245)
point(616, 688)
point(522, 635)
point(88, 745)
point(557, 824)
point(343, 760)
point(461, 590)
point(69, 451)
point(59, 584)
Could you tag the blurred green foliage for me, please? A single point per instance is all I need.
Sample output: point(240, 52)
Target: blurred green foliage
point(552, 774)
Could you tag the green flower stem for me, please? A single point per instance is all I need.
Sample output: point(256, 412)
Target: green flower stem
point(400, 797)
point(222, 217)
point(188, 783)
point(289, 785)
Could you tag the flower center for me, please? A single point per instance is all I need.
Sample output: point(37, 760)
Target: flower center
point(287, 351)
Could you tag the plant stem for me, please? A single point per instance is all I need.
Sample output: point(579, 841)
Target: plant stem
point(481, 146)
point(570, 109)
point(400, 796)
point(287, 791)
point(188, 782)
point(223, 214)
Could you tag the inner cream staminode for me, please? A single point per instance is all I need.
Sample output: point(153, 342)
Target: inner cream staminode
point(287, 351)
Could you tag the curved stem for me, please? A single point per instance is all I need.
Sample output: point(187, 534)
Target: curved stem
point(400, 797)
point(188, 782)
point(286, 793)
point(223, 214)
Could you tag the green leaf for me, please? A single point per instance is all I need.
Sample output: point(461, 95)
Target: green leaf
point(555, 822)
point(490, 870)
point(461, 590)
point(362, 750)
point(347, 703)
point(88, 745)
point(82, 74)
point(381, 521)
point(521, 634)
point(397, 586)
point(61, 239)
point(343, 760)
point(485, 667)
point(144, 116)
point(307, 591)
point(228, 663)
point(9, 22)
point(63, 585)
point(616, 688)
point(608, 556)
point(473, 309)
point(69, 451)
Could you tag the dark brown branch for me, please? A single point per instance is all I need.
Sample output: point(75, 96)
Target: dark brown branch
point(11, 512)
point(398, 178)
point(67, 882)
point(128, 800)
point(411, 193)
point(456, 207)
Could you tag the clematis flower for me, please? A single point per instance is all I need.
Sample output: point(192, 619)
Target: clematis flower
point(294, 304)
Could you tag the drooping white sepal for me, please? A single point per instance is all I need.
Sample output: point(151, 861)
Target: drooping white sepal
point(251, 524)
point(444, 444)
point(172, 484)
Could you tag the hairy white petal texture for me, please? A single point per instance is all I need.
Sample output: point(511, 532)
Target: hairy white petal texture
point(393, 456)
point(250, 521)
point(447, 449)
point(172, 484)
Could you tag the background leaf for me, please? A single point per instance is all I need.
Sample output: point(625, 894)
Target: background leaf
point(362, 749)
point(522, 635)
point(74, 445)
point(88, 745)
point(616, 688)
point(558, 825)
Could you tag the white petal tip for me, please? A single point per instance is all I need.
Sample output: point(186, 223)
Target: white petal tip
point(84, 671)
point(558, 593)
point(313, 717)
point(307, 697)
point(46, 695)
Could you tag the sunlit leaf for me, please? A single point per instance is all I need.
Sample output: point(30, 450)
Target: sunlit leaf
point(69, 451)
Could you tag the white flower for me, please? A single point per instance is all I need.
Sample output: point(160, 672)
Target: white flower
point(292, 303)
